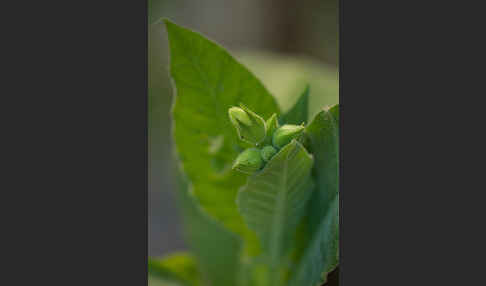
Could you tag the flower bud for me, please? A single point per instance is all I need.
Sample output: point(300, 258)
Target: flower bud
point(267, 152)
point(283, 135)
point(249, 161)
point(249, 126)
point(237, 115)
point(271, 125)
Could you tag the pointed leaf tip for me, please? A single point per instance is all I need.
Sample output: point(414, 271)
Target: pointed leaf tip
point(300, 110)
point(271, 125)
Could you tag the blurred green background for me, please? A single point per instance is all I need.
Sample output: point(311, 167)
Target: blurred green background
point(287, 44)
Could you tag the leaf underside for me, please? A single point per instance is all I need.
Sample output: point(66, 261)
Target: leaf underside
point(273, 202)
point(208, 81)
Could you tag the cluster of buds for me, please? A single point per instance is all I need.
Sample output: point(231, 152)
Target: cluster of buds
point(267, 137)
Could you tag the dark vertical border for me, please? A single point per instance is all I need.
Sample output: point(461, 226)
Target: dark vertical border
point(341, 105)
point(146, 163)
point(80, 147)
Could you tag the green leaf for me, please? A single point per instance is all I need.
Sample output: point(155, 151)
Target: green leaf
point(208, 82)
point(323, 142)
point(273, 202)
point(216, 249)
point(299, 112)
point(321, 256)
point(177, 267)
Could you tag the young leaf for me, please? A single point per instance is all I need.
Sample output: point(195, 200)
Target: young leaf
point(209, 81)
point(323, 142)
point(273, 202)
point(299, 111)
point(177, 267)
point(285, 77)
point(321, 256)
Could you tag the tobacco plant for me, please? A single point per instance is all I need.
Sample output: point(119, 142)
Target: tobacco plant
point(258, 186)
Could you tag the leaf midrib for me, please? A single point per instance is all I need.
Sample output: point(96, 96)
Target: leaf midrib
point(279, 214)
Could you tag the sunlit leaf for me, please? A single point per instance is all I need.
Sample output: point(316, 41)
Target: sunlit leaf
point(208, 81)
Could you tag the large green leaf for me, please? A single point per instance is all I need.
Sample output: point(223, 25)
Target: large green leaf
point(273, 202)
point(216, 249)
point(178, 268)
point(321, 255)
point(208, 80)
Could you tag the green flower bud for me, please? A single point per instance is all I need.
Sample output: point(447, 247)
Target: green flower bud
point(249, 161)
point(272, 125)
point(249, 126)
point(283, 135)
point(237, 114)
point(267, 152)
